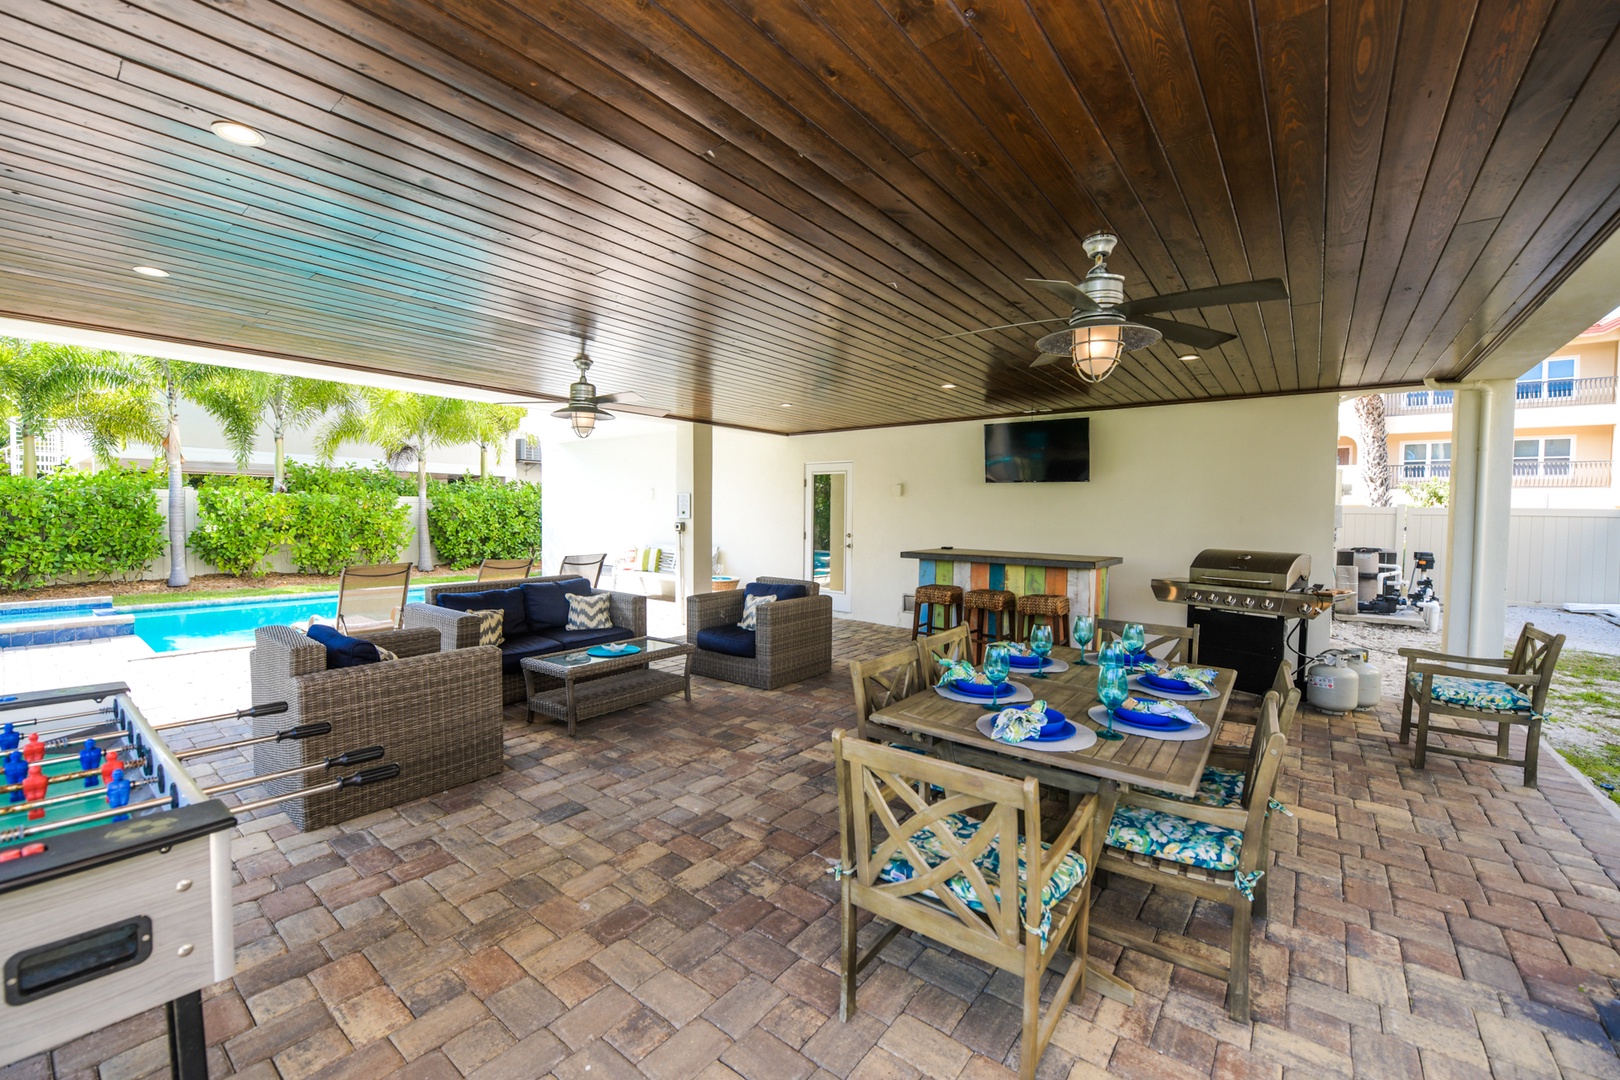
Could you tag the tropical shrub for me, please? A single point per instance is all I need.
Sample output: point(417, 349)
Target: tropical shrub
point(473, 520)
point(329, 531)
point(240, 524)
point(93, 524)
point(347, 480)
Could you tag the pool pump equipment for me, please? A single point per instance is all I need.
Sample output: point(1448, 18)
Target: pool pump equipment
point(1382, 593)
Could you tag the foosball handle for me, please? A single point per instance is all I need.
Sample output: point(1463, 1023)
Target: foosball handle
point(305, 731)
point(355, 757)
point(270, 708)
point(371, 776)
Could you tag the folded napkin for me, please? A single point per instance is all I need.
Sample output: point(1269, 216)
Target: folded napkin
point(1017, 648)
point(1019, 724)
point(952, 670)
point(1201, 679)
point(1154, 707)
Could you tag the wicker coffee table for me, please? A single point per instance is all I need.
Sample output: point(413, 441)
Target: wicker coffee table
point(595, 685)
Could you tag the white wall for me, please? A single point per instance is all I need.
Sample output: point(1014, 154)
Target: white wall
point(1167, 482)
point(608, 492)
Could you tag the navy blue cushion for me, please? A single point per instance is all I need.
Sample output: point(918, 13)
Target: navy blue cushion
point(781, 592)
point(517, 648)
point(575, 585)
point(343, 651)
point(545, 604)
point(507, 601)
point(731, 640)
point(579, 639)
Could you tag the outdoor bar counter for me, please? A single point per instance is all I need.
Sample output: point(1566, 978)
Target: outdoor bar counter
point(1082, 578)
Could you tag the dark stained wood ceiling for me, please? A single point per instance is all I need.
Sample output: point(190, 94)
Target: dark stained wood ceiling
point(744, 204)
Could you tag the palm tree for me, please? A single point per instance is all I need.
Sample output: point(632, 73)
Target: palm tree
point(406, 426)
point(243, 401)
point(91, 391)
point(1374, 448)
point(493, 424)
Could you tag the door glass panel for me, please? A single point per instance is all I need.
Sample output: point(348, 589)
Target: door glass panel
point(827, 528)
point(1441, 451)
point(1416, 452)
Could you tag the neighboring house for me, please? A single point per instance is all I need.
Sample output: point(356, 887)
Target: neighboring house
point(1564, 447)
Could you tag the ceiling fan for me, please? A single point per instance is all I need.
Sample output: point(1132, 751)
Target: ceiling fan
point(584, 406)
point(1104, 324)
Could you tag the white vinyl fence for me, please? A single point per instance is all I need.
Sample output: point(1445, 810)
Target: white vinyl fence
point(1554, 556)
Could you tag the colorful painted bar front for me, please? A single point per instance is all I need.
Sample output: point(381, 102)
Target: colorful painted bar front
point(1086, 588)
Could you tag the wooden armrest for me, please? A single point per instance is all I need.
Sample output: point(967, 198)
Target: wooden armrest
point(1429, 654)
point(1527, 677)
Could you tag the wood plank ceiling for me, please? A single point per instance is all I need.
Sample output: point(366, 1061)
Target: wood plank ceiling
point(744, 204)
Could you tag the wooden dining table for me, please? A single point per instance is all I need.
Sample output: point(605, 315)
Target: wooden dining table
point(1102, 769)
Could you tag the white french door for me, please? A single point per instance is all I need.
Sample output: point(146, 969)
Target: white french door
point(829, 528)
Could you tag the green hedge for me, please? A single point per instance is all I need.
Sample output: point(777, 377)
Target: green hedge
point(348, 480)
point(473, 520)
point(69, 523)
point(241, 523)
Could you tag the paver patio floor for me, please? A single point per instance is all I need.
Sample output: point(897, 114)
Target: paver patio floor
point(651, 899)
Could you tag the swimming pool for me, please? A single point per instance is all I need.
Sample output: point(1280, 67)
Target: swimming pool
point(174, 627)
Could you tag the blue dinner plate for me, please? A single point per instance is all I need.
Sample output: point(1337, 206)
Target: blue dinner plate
point(1150, 721)
point(974, 689)
point(1028, 661)
point(1174, 686)
point(603, 650)
point(1057, 726)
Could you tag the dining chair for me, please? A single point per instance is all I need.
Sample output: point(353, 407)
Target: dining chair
point(504, 569)
point(372, 597)
point(1246, 713)
point(1444, 684)
point(1183, 640)
point(953, 644)
point(588, 567)
point(1211, 852)
point(882, 682)
point(933, 868)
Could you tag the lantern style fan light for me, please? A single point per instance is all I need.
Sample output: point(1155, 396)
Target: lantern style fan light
point(584, 406)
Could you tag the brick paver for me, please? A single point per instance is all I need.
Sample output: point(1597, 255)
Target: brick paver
point(651, 899)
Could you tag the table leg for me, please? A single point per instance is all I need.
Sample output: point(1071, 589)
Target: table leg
point(188, 1049)
point(573, 706)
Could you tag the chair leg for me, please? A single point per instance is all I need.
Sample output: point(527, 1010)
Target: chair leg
point(1237, 980)
point(848, 956)
point(1532, 750)
point(1406, 714)
point(1029, 1048)
point(1421, 748)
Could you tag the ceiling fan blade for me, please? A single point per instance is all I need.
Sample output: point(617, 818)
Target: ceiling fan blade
point(1245, 292)
point(1048, 358)
point(1199, 337)
point(1004, 326)
point(622, 396)
point(1068, 292)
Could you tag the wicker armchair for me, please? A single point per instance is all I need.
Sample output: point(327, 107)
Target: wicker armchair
point(437, 714)
point(793, 640)
point(458, 630)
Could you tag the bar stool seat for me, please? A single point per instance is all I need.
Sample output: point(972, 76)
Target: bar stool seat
point(1049, 607)
point(934, 597)
point(983, 606)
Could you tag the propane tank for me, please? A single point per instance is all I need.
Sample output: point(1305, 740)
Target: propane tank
point(1368, 678)
point(1331, 686)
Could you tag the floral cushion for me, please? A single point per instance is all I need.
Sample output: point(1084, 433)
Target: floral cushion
point(1487, 695)
point(1070, 871)
point(1174, 839)
point(1217, 787)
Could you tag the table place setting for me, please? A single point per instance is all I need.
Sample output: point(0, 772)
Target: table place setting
point(1036, 726)
point(1180, 682)
point(960, 681)
point(1150, 718)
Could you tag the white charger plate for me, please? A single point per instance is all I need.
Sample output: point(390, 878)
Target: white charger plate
point(1082, 739)
point(1135, 683)
point(1099, 716)
point(1020, 694)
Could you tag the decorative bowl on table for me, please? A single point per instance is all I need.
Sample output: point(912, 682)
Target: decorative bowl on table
point(1029, 661)
point(980, 689)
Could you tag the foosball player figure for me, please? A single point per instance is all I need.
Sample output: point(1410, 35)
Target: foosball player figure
point(118, 793)
point(34, 785)
point(8, 738)
point(110, 766)
point(33, 750)
point(90, 761)
point(16, 773)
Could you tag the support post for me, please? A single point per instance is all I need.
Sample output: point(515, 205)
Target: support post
point(694, 475)
point(1479, 517)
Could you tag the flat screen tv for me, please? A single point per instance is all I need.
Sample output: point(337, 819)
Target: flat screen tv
point(1038, 452)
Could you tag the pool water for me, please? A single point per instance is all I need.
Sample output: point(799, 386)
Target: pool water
point(173, 627)
point(29, 613)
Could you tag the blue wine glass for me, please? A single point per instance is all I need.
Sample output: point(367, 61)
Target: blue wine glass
point(1085, 628)
point(1040, 643)
point(997, 665)
point(1134, 638)
point(1112, 655)
point(1112, 690)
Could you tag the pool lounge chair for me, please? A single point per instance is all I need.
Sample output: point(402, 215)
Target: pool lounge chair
point(370, 598)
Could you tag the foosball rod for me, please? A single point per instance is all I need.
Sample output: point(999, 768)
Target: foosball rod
point(364, 776)
point(25, 831)
point(302, 731)
point(352, 757)
point(54, 800)
point(269, 708)
point(77, 774)
point(114, 724)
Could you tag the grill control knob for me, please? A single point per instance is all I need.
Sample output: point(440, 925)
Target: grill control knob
point(1231, 600)
point(1268, 604)
point(1248, 601)
point(1304, 609)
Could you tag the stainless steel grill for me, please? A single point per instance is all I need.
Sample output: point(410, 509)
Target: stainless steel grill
point(1270, 583)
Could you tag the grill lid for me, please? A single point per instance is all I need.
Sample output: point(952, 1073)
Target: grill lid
point(1282, 570)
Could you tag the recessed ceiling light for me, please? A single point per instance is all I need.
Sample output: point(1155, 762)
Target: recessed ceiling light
point(787, 404)
point(149, 271)
point(240, 134)
point(947, 386)
point(1189, 358)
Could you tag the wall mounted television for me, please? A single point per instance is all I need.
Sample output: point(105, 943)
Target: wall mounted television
point(1038, 452)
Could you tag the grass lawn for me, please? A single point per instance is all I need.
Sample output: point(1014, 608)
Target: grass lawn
point(1584, 708)
point(189, 597)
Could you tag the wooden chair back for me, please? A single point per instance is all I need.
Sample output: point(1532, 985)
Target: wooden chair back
point(1276, 716)
point(953, 644)
point(1180, 643)
point(1536, 653)
point(589, 567)
point(882, 682)
point(372, 597)
point(504, 569)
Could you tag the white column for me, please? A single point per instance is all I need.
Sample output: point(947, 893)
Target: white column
point(694, 475)
point(1479, 517)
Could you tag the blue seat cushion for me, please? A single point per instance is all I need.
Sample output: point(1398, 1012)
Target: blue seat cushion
point(1174, 839)
point(509, 602)
point(583, 639)
point(522, 646)
point(1486, 695)
point(781, 592)
point(544, 604)
point(343, 651)
point(731, 640)
point(1217, 787)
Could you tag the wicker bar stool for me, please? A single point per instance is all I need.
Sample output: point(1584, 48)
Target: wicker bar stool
point(991, 614)
point(934, 597)
point(1048, 607)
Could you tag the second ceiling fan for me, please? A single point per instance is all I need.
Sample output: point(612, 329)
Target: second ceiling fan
point(1103, 324)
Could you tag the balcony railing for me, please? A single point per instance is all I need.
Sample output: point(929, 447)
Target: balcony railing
point(1528, 395)
point(1554, 472)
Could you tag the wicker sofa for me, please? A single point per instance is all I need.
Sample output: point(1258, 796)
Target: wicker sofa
point(793, 640)
point(437, 715)
point(458, 630)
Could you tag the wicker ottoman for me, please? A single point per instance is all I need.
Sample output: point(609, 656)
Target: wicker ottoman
point(1044, 607)
point(934, 597)
point(991, 614)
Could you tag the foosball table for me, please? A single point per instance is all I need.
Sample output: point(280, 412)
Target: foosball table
point(115, 865)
